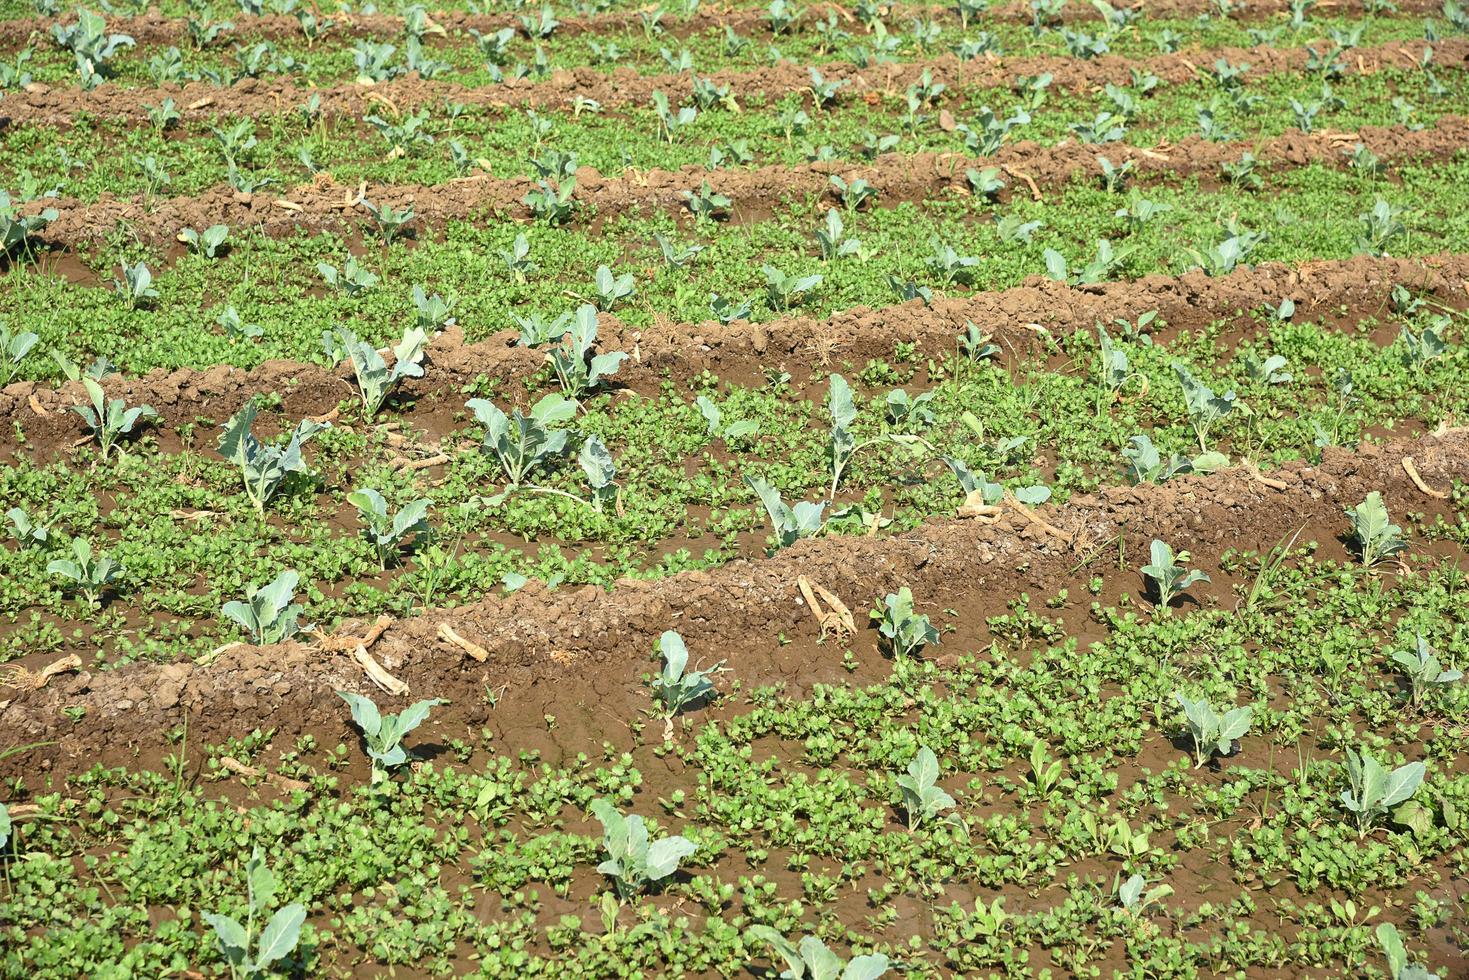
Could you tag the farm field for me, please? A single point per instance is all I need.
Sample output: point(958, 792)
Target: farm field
point(771, 489)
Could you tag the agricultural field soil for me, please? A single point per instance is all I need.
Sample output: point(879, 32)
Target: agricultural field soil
point(588, 489)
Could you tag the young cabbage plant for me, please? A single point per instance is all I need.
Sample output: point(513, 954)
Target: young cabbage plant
point(110, 420)
point(1146, 465)
point(1097, 269)
point(904, 408)
point(905, 631)
point(1424, 669)
point(578, 370)
point(263, 469)
point(978, 490)
point(1399, 966)
point(375, 380)
point(136, 286)
point(14, 347)
point(716, 426)
point(790, 524)
point(383, 734)
point(88, 575)
point(1372, 790)
point(677, 687)
point(1265, 371)
point(388, 533)
point(612, 289)
point(522, 442)
point(842, 444)
point(246, 953)
point(831, 238)
point(1134, 895)
point(1211, 731)
point(923, 798)
point(1423, 347)
point(1377, 537)
point(351, 280)
point(1204, 407)
point(208, 242)
point(813, 960)
point(1169, 575)
point(633, 862)
point(783, 291)
point(16, 229)
point(267, 613)
point(1114, 364)
point(600, 468)
point(537, 331)
point(26, 532)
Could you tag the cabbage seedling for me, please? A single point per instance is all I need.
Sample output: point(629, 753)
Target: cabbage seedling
point(842, 444)
point(110, 420)
point(1421, 348)
point(1204, 407)
point(902, 407)
point(676, 687)
point(612, 289)
point(600, 468)
point(16, 229)
point(267, 613)
point(375, 380)
point(207, 242)
point(92, 46)
point(247, 954)
point(389, 534)
point(136, 285)
point(88, 575)
point(264, 468)
point(790, 524)
point(352, 279)
point(578, 370)
point(1399, 967)
point(705, 203)
point(815, 961)
point(384, 733)
point(1146, 465)
point(782, 291)
point(1423, 668)
point(831, 238)
point(1372, 790)
point(714, 422)
point(13, 348)
point(923, 798)
point(1168, 574)
point(523, 441)
point(1132, 897)
point(390, 223)
point(1377, 537)
point(537, 331)
point(26, 532)
point(633, 863)
point(1211, 731)
point(905, 631)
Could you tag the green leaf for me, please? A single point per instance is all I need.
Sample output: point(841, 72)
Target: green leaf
point(280, 935)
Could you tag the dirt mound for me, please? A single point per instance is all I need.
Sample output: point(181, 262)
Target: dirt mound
point(326, 206)
point(42, 105)
point(548, 645)
point(742, 349)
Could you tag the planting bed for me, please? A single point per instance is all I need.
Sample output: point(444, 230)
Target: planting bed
point(1040, 425)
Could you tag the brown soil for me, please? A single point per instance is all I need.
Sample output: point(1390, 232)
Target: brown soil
point(326, 206)
point(557, 650)
point(152, 28)
point(1015, 316)
point(42, 105)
